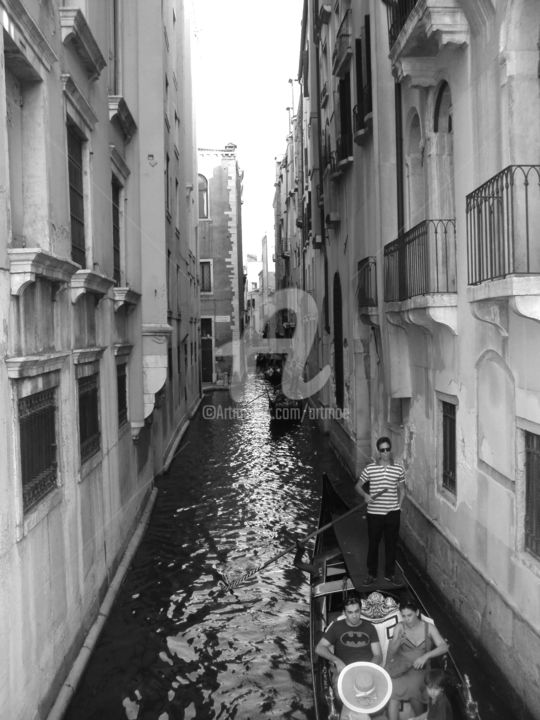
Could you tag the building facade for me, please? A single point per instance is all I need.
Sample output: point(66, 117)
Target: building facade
point(420, 146)
point(221, 264)
point(98, 289)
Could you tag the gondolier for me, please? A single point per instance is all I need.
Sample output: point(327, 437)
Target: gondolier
point(383, 512)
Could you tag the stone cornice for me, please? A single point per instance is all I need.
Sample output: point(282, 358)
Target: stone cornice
point(118, 108)
point(119, 164)
point(82, 356)
point(81, 104)
point(75, 31)
point(25, 264)
point(34, 365)
point(122, 349)
point(125, 297)
point(431, 26)
point(87, 281)
point(18, 15)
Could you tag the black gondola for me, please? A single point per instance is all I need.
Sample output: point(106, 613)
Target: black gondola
point(338, 567)
point(284, 409)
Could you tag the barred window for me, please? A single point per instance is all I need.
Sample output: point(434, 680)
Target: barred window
point(37, 425)
point(532, 493)
point(90, 439)
point(121, 385)
point(449, 447)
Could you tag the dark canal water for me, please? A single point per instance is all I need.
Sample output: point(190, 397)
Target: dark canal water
point(176, 646)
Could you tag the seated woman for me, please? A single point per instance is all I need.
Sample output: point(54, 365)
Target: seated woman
point(418, 641)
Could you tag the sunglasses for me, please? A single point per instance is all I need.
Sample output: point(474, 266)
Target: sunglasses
point(385, 449)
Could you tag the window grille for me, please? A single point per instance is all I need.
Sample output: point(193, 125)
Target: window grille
point(121, 385)
point(37, 426)
point(449, 447)
point(90, 439)
point(532, 493)
point(76, 195)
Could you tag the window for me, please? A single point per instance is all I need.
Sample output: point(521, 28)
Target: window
point(90, 440)
point(206, 327)
point(37, 423)
point(203, 197)
point(76, 194)
point(449, 446)
point(116, 229)
point(121, 388)
point(532, 493)
point(206, 276)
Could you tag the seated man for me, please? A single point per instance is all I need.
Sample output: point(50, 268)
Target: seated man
point(349, 640)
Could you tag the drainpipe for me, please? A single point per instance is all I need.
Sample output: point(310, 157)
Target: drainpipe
point(69, 687)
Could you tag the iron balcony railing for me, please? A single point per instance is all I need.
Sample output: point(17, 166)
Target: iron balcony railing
point(503, 221)
point(398, 11)
point(366, 291)
point(421, 261)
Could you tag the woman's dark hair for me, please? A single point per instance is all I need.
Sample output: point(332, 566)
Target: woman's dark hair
point(381, 440)
point(435, 679)
point(409, 604)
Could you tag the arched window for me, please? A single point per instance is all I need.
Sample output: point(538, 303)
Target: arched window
point(415, 173)
point(442, 155)
point(442, 120)
point(203, 197)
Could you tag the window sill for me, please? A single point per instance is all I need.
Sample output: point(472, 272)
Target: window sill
point(39, 512)
point(90, 464)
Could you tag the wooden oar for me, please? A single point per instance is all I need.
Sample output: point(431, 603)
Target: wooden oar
point(231, 584)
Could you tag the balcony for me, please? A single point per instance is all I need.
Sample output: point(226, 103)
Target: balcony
point(420, 274)
point(341, 56)
point(366, 290)
point(418, 30)
point(503, 253)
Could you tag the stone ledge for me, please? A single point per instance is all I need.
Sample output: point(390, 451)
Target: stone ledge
point(87, 281)
point(119, 109)
point(34, 365)
point(125, 297)
point(26, 264)
point(76, 32)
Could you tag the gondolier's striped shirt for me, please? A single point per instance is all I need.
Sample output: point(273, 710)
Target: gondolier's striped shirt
point(383, 477)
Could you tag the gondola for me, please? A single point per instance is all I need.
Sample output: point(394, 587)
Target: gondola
point(284, 409)
point(337, 568)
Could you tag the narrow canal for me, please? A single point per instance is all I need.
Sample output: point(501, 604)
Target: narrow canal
point(176, 646)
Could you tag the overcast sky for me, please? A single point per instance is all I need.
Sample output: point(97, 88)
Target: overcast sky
point(244, 52)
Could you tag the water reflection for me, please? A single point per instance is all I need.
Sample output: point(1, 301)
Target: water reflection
point(177, 646)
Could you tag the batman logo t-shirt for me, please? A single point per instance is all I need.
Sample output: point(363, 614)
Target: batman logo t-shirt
point(352, 644)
